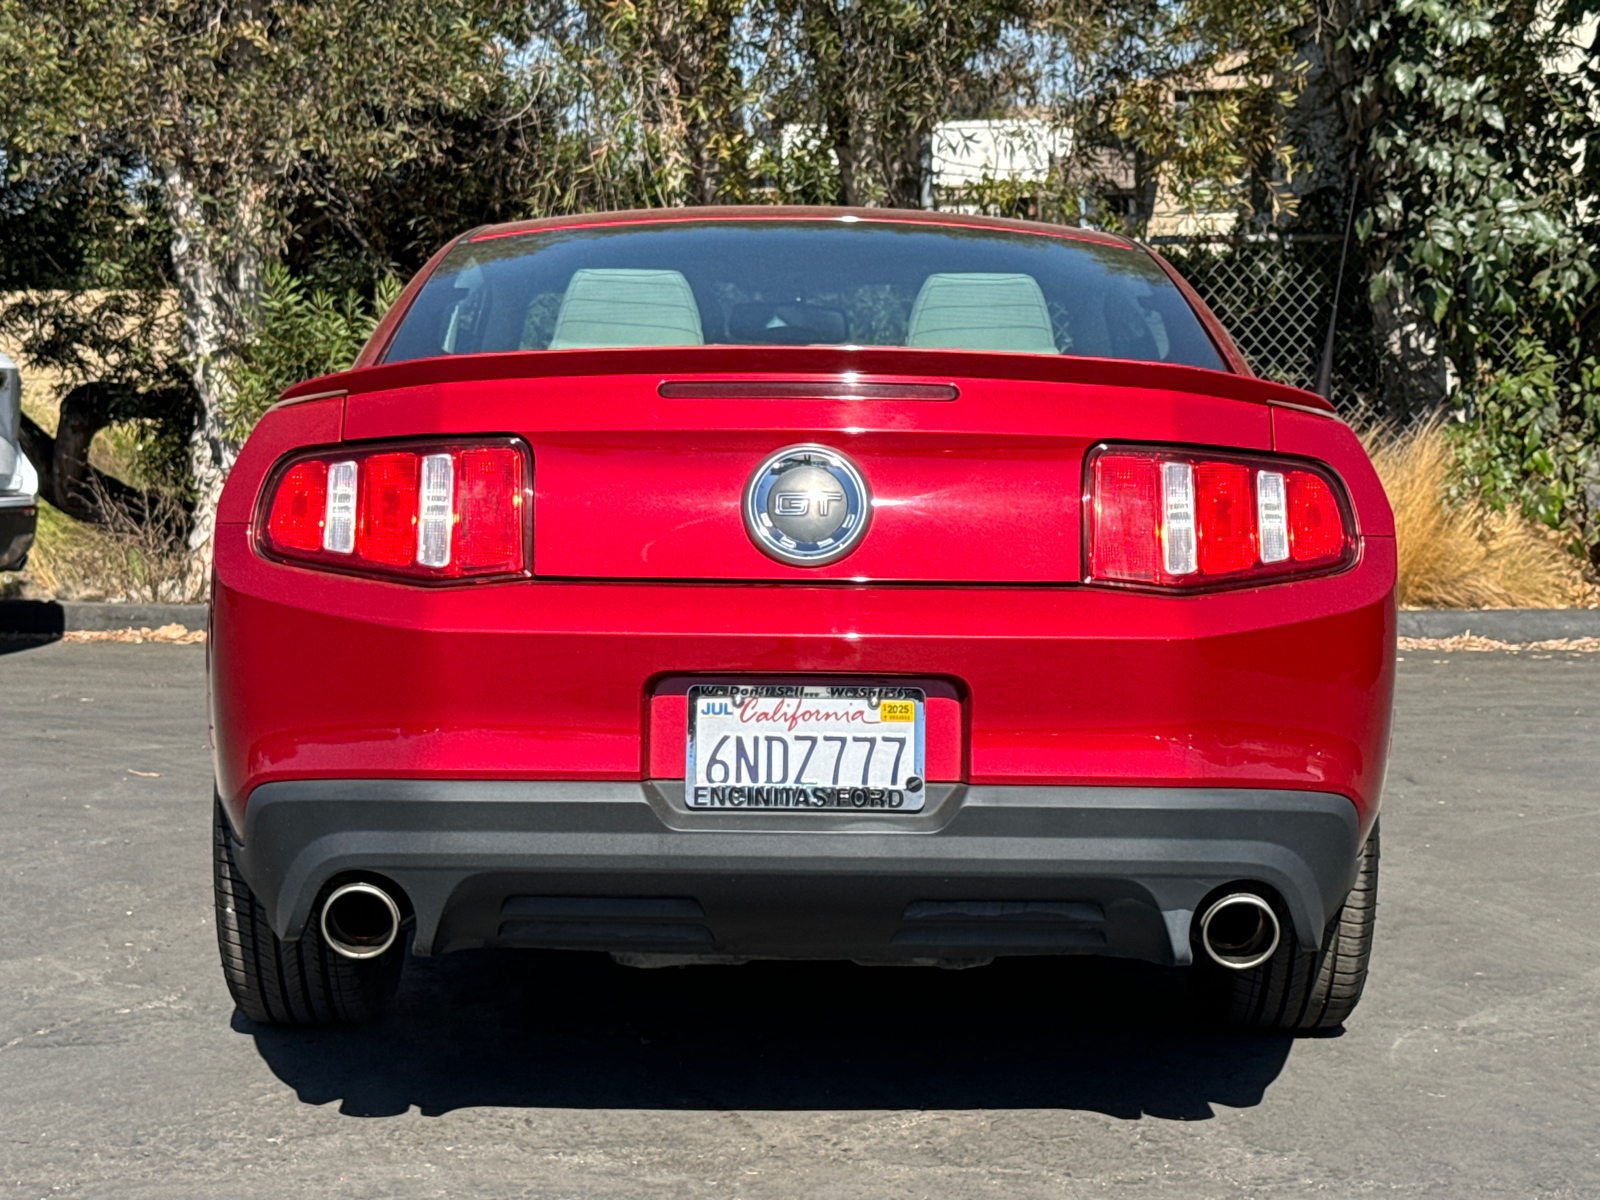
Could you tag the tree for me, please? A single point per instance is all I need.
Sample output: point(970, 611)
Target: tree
point(85, 268)
point(234, 111)
point(1193, 95)
point(680, 61)
point(1467, 145)
point(873, 78)
point(1467, 135)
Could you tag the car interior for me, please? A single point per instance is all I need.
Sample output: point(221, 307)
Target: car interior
point(713, 286)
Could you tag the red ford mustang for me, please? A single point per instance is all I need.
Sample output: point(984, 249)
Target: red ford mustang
point(720, 584)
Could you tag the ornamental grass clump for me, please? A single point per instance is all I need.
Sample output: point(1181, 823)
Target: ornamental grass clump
point(1466, 554)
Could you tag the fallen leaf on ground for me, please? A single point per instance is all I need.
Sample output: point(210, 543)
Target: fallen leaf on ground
point(175, 635)
point(1471, 641)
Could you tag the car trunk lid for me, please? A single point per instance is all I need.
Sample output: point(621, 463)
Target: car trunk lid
point(984, 487)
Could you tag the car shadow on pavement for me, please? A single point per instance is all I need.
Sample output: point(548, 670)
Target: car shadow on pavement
point(547, 1030)
point(15, 643)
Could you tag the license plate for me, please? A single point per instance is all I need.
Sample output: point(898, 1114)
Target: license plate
point(805, 746)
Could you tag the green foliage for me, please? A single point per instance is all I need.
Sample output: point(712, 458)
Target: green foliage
point(250, 105)
point(199, 201)
point(1479, 210)
point(1471, 165)
point(1533, 441)
point(1188, 96)
point(871, 78)
point(300, 332)
point(679, 59)
point(800, 168)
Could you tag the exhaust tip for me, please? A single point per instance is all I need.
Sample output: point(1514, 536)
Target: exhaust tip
point(1240, 931)
point(360, 920)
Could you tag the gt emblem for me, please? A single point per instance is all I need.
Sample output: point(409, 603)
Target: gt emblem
point(798, 504)
point(806, 506)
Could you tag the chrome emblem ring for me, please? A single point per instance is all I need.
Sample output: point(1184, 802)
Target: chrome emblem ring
point(806, 506)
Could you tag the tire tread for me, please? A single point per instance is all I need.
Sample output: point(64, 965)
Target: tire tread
point(279, 982)
point(1305, 990)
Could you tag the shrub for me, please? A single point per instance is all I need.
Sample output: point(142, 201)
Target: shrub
point(1461, 552)
point(1532, 439)
point(300, 331)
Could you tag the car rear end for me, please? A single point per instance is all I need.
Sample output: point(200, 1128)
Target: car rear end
point(525, 649)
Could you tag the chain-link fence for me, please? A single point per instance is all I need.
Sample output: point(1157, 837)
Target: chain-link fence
point(1274, 294)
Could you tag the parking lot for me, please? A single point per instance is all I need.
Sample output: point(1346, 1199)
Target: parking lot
point(1472, 1067)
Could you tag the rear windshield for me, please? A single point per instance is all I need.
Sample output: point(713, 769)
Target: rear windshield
point(799, 283)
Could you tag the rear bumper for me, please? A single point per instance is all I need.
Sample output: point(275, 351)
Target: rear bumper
point(321, 676)
point(985, 871)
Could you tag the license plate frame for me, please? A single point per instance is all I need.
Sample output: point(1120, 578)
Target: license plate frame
point(799, 717)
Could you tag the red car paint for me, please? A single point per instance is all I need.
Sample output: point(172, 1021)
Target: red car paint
point(643, 577)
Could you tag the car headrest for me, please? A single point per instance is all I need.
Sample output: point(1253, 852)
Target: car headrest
point(613, 306)
point(974, 310)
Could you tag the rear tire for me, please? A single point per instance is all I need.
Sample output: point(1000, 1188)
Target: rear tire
point(1301, 989)
point(279, 982)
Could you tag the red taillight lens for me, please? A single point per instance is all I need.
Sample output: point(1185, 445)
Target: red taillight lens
point(1190, 520)
point(1316, 528)
point(386, 529)
point(1127, 521)
point(299, 507)
point(489, 503)
point(423, 512)
point(1225, 525)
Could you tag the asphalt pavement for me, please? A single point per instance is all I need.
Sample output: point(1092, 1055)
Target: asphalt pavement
point(1472, 1068)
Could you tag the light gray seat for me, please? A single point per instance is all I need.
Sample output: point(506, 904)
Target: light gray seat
point(613, 306)
point(980, 311)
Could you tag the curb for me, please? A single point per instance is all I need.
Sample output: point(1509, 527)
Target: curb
point(1513, 625)
point(52, 618)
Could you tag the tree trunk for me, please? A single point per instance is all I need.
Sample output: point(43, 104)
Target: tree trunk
point(844, 153)
point(66, 479)
point(83, 414)
point(904, 165)
point(1414, 369)
point(1327, 121)
point(1146, 190)
point(217, 260)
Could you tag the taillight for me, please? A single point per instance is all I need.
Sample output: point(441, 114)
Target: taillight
point(298, 507)
point(1189, 520)
point(420, 512)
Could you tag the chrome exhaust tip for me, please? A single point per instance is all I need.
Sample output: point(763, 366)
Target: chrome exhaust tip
point(1240, 931)
point(360, 920)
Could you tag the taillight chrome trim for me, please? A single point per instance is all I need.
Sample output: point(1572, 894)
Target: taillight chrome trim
point(1265, 572)
point(339, 523)
point(435, 515)
point(344, 458)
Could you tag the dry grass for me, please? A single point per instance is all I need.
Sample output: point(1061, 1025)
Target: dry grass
point(135, 556)
point(70, 560)
point(1467, 555)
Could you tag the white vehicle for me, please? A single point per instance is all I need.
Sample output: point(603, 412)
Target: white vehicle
point(19, 482)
